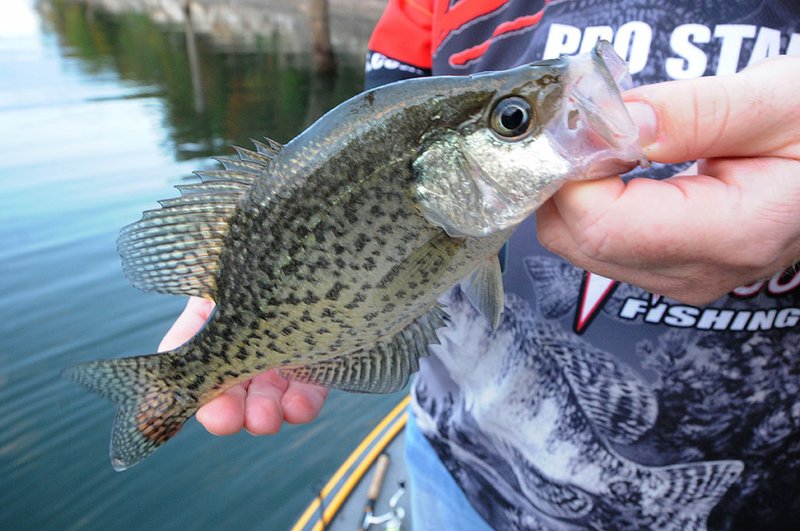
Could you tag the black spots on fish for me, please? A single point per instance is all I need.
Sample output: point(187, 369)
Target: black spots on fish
point(196, 382)
point(339, 249)
point(334, 293)
point(290, 329)
point(361, 241)
point(335, 346)
point(385, 229)
point(273, 346)
point(292, 266)
point(351, 215)
point(408, 238)
point(292, 299)
point(270, 314)
point(263, 285)
point(322, 263)
point(340, 263)
point(369, 263)
point(301, 231)
point(241, 355)
point(237, 319)
point(357, 299)
point(389, 308)
point(310, 298)
point(320, 231)
point(309, 340)
point(306, 317)
point(322, 331)
point(377, 211)
point(397, 215)
point(369, 97)
point(328, 313)
point(370, 316)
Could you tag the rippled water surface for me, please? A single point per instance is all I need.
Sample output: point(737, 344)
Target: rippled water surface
point(99, 118)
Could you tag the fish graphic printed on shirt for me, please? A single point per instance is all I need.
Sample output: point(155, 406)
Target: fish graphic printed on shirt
point(554, 407)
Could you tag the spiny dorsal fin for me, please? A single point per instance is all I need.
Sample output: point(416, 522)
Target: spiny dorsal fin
point(175, 249)
point(269, 148)
point(385, 368)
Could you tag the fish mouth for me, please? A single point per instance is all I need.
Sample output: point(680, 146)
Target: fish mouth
point(595, 129)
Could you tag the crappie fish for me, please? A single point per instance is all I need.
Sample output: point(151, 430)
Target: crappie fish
point(326, 256)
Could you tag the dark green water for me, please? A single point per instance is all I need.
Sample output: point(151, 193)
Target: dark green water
point(98, 120)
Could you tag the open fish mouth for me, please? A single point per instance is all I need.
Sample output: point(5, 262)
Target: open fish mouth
point(596, 130)
point(556, 120)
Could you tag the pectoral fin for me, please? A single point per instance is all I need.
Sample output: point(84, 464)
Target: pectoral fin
point(484, 289)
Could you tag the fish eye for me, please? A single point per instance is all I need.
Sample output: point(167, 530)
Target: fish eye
point(512, 117)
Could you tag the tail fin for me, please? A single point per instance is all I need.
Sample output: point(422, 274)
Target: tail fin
point(684, 495)
point(152, 407)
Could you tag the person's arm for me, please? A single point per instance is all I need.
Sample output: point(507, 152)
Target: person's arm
point(695, 237)
point(260, 405)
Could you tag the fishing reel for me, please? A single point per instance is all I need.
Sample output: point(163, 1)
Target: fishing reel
point(394, 518)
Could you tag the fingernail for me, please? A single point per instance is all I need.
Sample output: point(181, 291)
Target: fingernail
point(645, 118)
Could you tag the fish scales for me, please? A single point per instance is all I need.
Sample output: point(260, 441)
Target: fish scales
point(326, 257)
point(365, 275)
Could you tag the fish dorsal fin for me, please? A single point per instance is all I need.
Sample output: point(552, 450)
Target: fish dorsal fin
point(175, 249)
point(620, 405)
point(385, 368)
point(484, 289)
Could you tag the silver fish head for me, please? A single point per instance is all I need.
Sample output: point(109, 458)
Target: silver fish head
point(537, 126)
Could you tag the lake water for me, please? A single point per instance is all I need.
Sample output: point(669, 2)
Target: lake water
point(100, 118)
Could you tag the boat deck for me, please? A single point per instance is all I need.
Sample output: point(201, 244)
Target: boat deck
point(340, 504)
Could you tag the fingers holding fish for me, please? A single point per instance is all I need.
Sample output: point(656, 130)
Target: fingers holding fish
point(193, 317)
point(752, 113)
point(691, 237)
point(262, 405)
point(302, 402)
point(224, 415)
point(694, 237)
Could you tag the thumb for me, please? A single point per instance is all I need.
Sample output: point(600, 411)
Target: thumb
point(752, 113)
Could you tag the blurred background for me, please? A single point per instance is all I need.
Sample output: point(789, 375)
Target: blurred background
point(105, 105)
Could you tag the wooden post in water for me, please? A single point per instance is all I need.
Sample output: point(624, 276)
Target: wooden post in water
point(194, 61)
point(324, 61)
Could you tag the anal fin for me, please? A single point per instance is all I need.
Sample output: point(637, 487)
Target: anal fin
point(385, 368)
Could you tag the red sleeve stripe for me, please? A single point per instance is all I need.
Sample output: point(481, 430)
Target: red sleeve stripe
point(404, 32)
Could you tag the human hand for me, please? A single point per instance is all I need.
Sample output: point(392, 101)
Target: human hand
point(695, 237)
point(260, 405)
